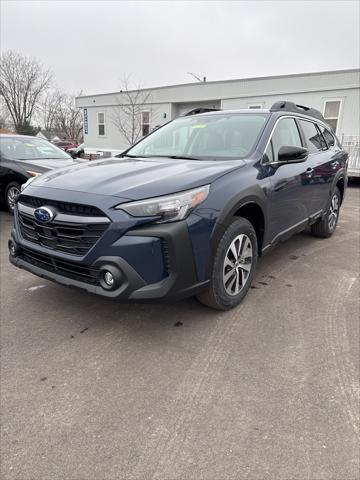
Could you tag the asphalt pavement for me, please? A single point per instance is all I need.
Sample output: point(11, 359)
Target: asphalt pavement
point(93, 390)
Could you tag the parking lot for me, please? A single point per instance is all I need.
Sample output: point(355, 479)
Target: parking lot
point(93, 390)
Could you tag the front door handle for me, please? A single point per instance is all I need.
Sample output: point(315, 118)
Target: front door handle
point(334, 164)
point(309, 171)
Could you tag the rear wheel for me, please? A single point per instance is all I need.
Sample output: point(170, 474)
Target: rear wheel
point(326, 225)
point(11, 193)
point(233, 267)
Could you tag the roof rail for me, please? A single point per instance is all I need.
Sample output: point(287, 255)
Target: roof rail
point(195, 111)
point(284, 106)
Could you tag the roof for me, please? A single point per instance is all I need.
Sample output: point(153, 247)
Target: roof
point(245, 79)
point(49, 134)
point(6, 130)
point(248, 111)
point(288, 110)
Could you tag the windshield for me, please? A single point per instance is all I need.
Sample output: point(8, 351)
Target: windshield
point(214, 137)
point(30, 148)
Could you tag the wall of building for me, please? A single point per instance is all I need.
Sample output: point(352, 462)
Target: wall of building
point(227, 89)
point(349, 119)
point(113, 141)
point(166, 103)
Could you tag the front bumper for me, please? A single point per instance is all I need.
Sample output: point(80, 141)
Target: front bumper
point(180, 279)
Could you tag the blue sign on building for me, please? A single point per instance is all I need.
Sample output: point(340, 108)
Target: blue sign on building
point(86, 124)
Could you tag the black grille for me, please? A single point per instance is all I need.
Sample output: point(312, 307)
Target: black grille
point(73, 238)
point(61, 267)
point(62, 207)
point(166, 256)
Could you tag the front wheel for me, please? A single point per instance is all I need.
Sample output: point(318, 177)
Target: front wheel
point(233, 267)
point(326, 225)
point(11, 193)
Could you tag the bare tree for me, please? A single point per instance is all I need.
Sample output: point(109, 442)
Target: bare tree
point(4, 115)
point(68, 118)
point(48, 110)
point(127, 113)
point(22, 82)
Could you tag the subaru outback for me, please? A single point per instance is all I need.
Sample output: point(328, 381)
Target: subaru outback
point(187, 210)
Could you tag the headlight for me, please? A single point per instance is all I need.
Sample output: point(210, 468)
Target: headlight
point(33, 174)
point(169, 208)
point(24, 185)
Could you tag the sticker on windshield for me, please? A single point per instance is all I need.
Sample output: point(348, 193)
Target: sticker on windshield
point(29, 144)
point(199, 126)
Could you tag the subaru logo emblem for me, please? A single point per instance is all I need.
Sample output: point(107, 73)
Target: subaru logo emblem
point(44, 214)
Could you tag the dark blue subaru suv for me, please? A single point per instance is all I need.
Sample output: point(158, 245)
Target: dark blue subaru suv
point(187, 210)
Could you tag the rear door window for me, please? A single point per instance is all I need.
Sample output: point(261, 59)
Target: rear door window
point(313, 137)
point(329, 137)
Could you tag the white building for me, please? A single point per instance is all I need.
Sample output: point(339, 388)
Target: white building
point(335, 94)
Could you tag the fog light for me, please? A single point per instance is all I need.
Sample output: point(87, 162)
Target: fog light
point(109, 279)
point(13, 248)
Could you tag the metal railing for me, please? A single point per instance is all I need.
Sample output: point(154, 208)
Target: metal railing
point(351, 143)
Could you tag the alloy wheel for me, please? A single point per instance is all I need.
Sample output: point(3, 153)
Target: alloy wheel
point(237, 264)
point(12, 195)
point(334, 212)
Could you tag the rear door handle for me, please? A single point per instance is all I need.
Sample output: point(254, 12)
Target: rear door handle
point(309, 171)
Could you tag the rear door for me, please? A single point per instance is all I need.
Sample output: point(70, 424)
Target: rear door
point(324, 161)
point(291, 193)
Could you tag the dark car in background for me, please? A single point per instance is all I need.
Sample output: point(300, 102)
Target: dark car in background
point(76, 152)
point(188, 209)
point(23, 157)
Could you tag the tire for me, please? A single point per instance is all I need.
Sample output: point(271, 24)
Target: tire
point(326, 225)
point(11, 191)
point(229, 270)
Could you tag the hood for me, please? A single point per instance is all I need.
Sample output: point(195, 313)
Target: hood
point(42, 166)
point(136, 178)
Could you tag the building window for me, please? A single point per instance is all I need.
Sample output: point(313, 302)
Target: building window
point(145, 123)
point(332, 113)
point(257, 105)
point(101, 123)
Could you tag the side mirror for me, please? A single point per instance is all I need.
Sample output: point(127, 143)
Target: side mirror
point(289, 154)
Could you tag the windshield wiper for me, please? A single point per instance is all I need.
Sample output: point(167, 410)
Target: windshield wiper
point(122, 155)
point(176, 157)
point(43, 158)
point(183, 157)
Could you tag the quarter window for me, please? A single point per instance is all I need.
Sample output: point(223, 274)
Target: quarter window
point(101, 123)
point(286, 134)
point(313, 137)
point(145, 123)
point(332, 113)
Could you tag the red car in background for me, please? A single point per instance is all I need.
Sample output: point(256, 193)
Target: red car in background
point(66, 144)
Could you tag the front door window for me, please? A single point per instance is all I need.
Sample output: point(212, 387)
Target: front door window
point(286, 134)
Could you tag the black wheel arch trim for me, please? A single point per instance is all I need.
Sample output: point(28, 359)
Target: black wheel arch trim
point(235, 204)
point(341, 175)
point(10, 178)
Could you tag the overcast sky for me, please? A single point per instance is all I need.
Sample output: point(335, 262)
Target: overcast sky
point(92, 45)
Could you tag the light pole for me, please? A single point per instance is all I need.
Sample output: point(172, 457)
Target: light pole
point(203, 80)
